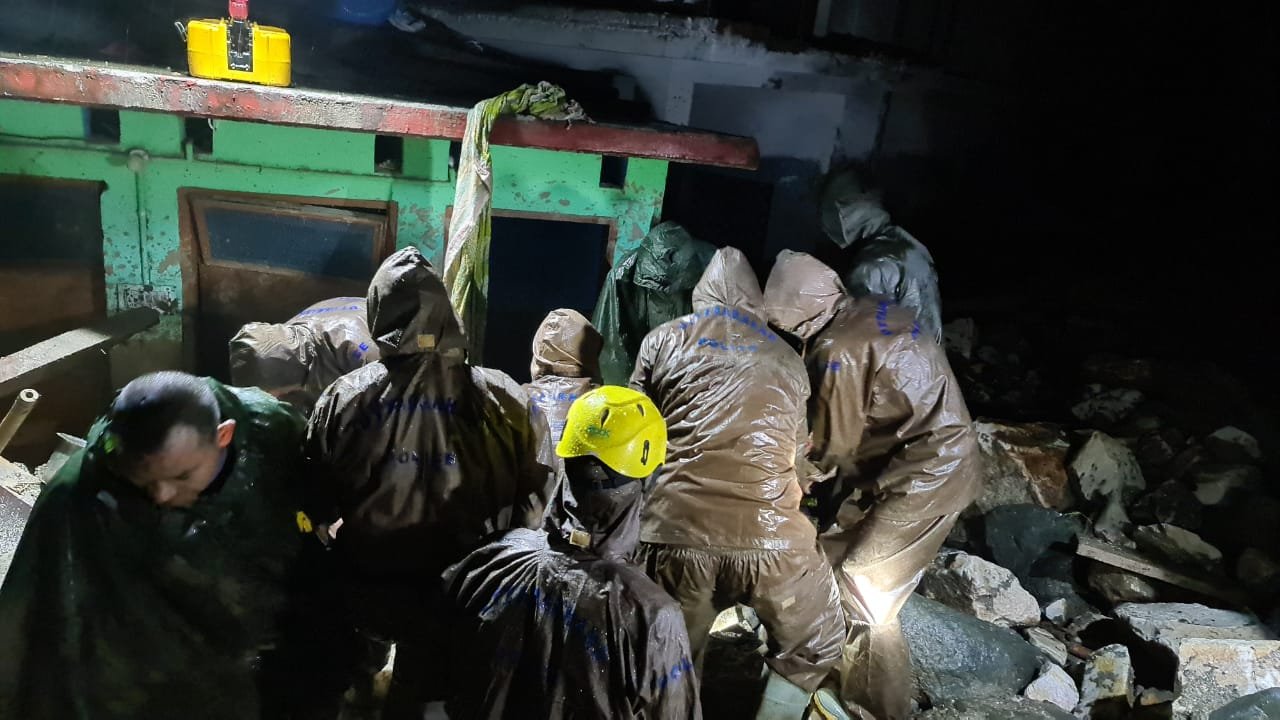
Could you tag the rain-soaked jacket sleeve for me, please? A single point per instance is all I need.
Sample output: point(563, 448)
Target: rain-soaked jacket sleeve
point(908, 410)
point(670, 690)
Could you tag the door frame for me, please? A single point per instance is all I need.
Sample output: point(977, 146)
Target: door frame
point(192, 251)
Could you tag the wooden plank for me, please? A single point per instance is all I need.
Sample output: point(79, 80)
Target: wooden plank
point(130, 88)
point(44, 359)
point(1127, 559)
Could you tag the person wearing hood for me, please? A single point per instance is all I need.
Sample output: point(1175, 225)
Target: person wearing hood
point(890, 425)
point(886, 260)
point(566, 364)
point(161, 568)
point(645, 289)
point(297, 359)
point(423, 457)
point(556, 623)
point(723, 524)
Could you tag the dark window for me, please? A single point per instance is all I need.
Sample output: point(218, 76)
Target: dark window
point(613, 171)
point(103, 125)
point(200, 132)
point(388, 153)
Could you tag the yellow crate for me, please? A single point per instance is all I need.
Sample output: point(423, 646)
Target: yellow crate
point(208, 53)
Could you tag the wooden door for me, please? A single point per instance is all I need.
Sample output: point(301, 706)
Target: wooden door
point(264, 258)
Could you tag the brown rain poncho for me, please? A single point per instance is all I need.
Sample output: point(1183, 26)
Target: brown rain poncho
point(723, 524)
point(889, 422)
point(548, 630)
point(566, 364)
point(297, 359)
point(423, 455)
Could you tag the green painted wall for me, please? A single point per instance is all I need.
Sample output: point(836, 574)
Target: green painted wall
point(140, 204)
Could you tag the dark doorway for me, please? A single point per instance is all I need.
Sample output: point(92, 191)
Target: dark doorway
point(535, 266)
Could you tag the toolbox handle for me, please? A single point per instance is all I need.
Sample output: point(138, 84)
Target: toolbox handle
point(239, 9)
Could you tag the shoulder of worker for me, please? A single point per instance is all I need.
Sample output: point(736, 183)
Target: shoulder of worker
point(499, 387)
point(499, 558)
point(346, 390)
point(635, 591)
point(264, 417)
point(873, 323)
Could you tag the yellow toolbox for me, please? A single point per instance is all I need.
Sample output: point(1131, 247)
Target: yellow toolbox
point(236, 49)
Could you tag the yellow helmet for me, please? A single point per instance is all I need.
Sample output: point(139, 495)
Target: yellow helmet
point(618, 425)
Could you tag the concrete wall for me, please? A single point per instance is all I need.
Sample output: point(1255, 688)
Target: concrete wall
point(153, 159)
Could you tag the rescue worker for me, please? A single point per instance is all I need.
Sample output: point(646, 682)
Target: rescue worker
point(723, 524)
point(645, 289)
point(566, 364)
point(422, 456)
point(889, 423)
point(158, 568)
point(556, 624)
point(884, 258)
point(297, 359)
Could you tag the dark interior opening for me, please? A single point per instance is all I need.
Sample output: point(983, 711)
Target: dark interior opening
point(536, 266)
point(388, 154)
point(103, 125)
point(199, 132)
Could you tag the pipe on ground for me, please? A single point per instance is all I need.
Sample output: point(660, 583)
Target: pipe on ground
point(22, 406)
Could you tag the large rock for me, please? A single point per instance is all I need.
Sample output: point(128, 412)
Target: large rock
point(995, 708)
point(1170, 624)
point(1156, 449)
point(1105, 408)
point(955, 655)
point(1023, 464)
point(1059, 601)
point(1104, 467)
point(982, 589)
point(1177, 545)
point(1263, 705)
point(1118, 586)
point(1112, 523)
point(1107, 689)
point(1020, 536)
point(1233, 445)
point(1215, 484)
point(1172, 502)
point(1212, 673)
point(1054, 686)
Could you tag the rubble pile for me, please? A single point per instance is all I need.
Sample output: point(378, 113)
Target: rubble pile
point(1128, 536)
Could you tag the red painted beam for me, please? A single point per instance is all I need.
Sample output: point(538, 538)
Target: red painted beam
point(127, 88)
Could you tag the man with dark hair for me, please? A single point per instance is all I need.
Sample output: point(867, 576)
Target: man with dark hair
point(557, 623)
point(157, 574)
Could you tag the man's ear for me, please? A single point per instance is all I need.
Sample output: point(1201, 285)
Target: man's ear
point(226, 431)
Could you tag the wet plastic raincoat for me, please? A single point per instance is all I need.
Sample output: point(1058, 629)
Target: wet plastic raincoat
point(297, 359)
point(422, 450)
point(723, 523)
point(550, 631)
point(423, 457)
point(889, 423)
point(649, 287)
point(887, 260)
point(566, 364)
point(117, 608)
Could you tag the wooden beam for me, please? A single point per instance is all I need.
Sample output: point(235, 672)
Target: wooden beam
point(1126, 559)
point(37, 362)
point(131, 88)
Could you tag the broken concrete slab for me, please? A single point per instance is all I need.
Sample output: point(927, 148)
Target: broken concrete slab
point(1107, 688)
point(1171, 502)
point(1126, 559)
point(955, 655)
point(1177, 545)
point(1262, 705)
point(42, 360)
point(1105, 408)
point(983, 589)
point(1118, 586)
point(1213, 673)
point(1023, 463)
point(1104, 467)
point(1020, 536)
point(1046, 642)
point(1054, 686)
point(1230, 444)
point(1170, 624)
